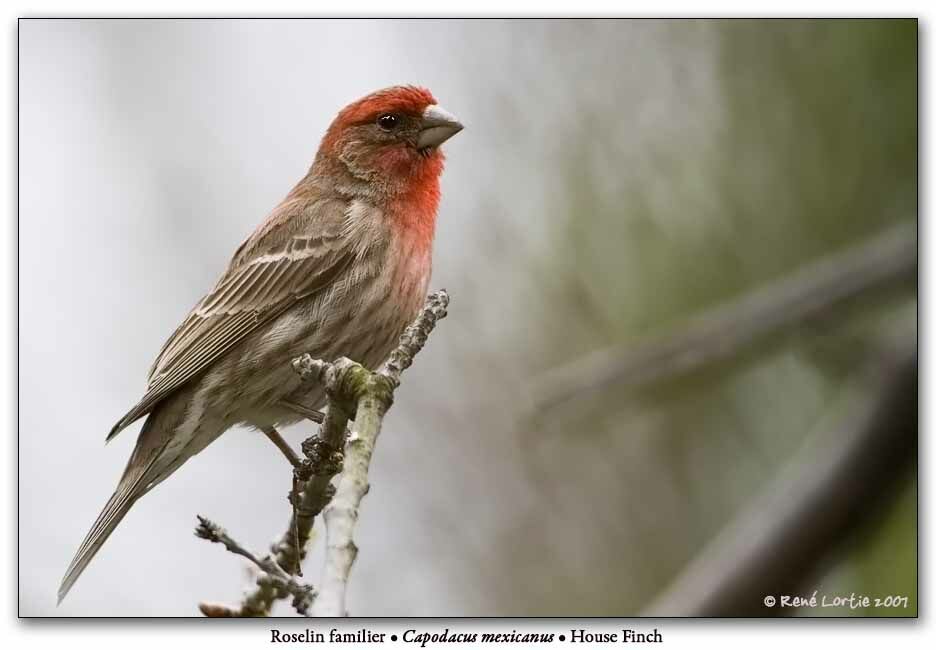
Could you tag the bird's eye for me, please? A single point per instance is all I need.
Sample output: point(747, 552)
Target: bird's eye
point(388, 122)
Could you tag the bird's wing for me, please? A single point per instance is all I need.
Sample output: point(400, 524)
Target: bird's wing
point(271, 271)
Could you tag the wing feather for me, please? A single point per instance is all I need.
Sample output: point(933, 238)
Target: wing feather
point(252, 292)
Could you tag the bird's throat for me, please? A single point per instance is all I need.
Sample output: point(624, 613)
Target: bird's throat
point(414, 206)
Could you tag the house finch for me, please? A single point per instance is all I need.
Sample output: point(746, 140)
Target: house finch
point(339, 268)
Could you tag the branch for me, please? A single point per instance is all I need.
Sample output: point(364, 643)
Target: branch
point(369, 395)
point(825, 495)
point(312, 488)
point(724, 331)
point(311, 491)
point(272, 574)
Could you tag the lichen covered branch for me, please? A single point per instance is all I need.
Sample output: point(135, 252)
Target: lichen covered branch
point(374, 394)
point(370, 394)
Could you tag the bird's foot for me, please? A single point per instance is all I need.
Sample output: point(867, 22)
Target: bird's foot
point(283, 446)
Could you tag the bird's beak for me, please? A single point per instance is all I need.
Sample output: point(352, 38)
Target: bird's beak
point(438, 125)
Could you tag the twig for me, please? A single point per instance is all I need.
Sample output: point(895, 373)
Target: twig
point(312, 487)
point(414, 337)
point(826, 493)
point(272, 574)
point(311, 490)
point(726, 330)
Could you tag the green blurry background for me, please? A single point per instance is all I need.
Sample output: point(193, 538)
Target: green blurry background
point(814, 148)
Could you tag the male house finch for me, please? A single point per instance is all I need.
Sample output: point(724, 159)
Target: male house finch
point(339, 268)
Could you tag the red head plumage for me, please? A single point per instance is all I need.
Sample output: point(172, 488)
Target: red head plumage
point(385, 148)
point(408, 100)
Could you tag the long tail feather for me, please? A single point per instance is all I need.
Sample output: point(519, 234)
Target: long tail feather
point(132, 486)
point(115, 510)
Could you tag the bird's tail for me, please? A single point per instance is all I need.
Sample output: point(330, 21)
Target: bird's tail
point(133, 484)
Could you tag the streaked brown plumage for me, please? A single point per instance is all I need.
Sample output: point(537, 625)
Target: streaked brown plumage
point(339, 268)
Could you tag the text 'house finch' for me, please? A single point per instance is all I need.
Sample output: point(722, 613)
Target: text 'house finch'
point(339, 268)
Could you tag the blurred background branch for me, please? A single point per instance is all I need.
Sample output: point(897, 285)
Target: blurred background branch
point(837, 484)
point(806, 295)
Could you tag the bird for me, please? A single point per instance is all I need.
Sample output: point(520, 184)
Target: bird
point(338, 268)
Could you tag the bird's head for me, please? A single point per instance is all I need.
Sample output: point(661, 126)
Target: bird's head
point(390, 137)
